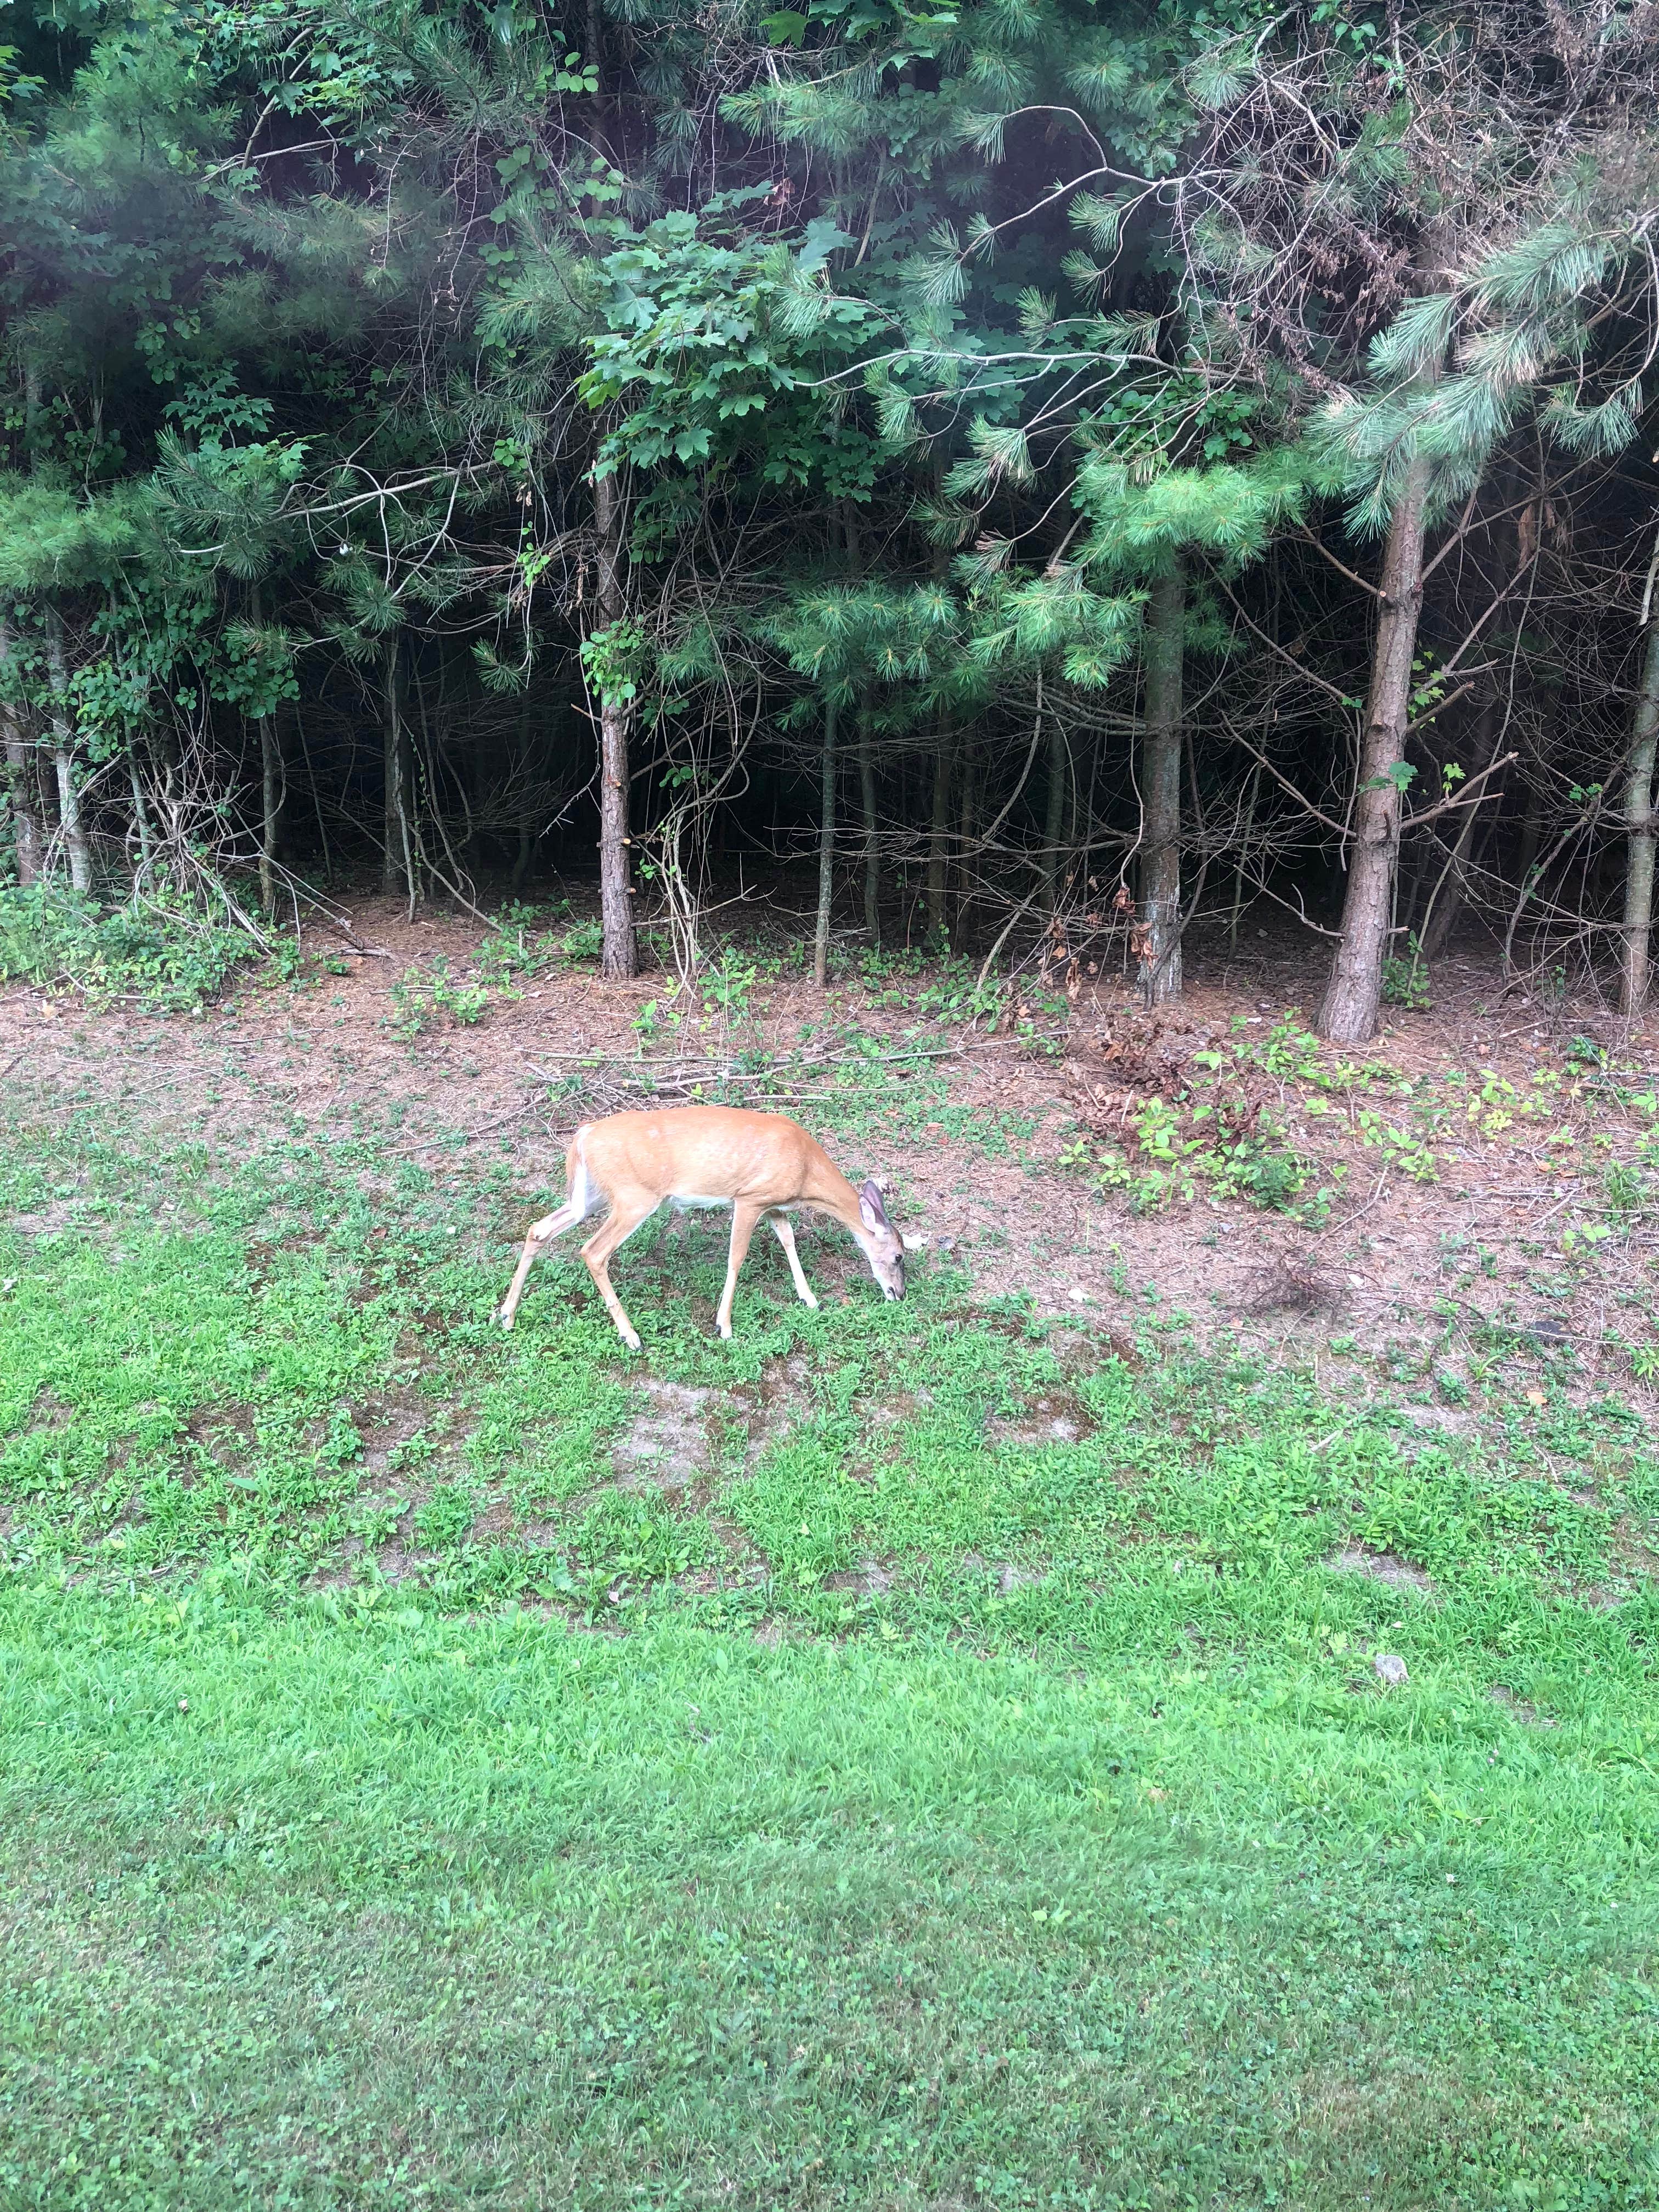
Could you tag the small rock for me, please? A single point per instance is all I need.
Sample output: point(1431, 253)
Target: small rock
point(1079, 1296)
point(1391, 1670)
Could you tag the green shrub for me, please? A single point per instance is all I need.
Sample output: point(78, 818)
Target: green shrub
point(420, 993)
point(160, 956)
point(584, 941)
point(1406, 982)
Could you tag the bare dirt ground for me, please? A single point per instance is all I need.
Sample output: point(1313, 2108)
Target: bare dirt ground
point(1394, 1261)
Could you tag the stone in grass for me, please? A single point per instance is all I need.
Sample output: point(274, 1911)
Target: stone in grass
point(1391, 1670)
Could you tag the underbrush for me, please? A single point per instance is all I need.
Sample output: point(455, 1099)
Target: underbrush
point(1281, 1121)
point(160, 954)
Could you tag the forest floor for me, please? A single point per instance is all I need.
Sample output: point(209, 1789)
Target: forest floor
point(1163, 1717)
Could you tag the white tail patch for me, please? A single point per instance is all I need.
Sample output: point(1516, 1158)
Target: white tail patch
point(585, 1198)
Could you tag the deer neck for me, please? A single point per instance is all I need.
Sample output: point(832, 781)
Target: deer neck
point(830, 1191)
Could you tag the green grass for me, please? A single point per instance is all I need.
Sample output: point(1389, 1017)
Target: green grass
point(978, 1792)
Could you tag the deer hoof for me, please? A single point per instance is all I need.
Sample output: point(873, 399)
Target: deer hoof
point(504, 1317)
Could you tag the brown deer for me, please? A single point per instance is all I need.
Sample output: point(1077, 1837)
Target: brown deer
point(762, 1165)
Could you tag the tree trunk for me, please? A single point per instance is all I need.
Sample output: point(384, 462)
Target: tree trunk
point(140, 821)
point(1641, 825)
point(620, 953)
point(826, 852)
point(872, 848)
point(69, 798)
point(1160, 789)
point(1348, 1014)
point(396, 870)
point(25, 805)
point(938, 845)
point(21, 788)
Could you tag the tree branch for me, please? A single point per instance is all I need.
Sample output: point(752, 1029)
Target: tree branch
point(1463, 797)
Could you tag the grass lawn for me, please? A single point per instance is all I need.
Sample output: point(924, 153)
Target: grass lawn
point(912, 1756)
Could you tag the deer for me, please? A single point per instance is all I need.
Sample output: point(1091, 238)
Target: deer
point(762, 1165)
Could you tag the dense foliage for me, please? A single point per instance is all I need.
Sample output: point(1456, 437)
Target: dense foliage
point(1086, 470)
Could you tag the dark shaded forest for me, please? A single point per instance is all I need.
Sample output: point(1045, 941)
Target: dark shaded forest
point(1044, 479)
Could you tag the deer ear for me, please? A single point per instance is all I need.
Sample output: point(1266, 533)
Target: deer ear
point(871, 1209)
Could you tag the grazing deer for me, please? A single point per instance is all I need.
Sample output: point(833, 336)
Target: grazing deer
point(762, 1165)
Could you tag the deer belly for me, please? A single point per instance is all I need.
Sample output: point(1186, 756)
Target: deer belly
point(688, 1201)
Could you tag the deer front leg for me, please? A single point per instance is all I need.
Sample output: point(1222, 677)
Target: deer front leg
point(783, 1229)
point(743, 1218)
point(542, 1233)
point(625, 1220)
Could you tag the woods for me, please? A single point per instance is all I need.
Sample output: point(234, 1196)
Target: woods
point(1041, 479)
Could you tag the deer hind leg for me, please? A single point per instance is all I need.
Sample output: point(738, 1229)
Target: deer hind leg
point(783, 1229)
point(743, 1218)
point(628, 1212)
point(542, 1233)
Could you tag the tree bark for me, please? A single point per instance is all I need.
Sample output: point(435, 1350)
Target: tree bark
point(21, 788)
point(1349, 1012)
point(871, 845)
point(69, 798)
point(140, 821)
point(1641, 828)
point(1160, 788)
point(619, 954)
point(939, 840)
point(826, 852)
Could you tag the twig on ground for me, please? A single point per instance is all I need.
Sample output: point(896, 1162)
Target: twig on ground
point(1337, 1226)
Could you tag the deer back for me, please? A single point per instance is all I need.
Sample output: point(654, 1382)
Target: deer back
point(714, 1152)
